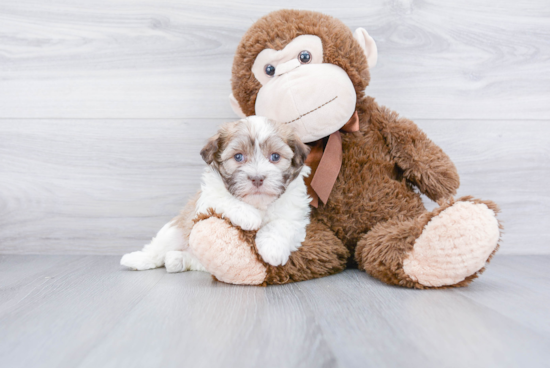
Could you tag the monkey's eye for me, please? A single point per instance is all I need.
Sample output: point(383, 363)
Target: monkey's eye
point(239, 157)
point(275, 157)
point(269, 70)
point(304, 57)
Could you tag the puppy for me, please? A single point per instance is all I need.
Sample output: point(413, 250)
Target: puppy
point(254, 178)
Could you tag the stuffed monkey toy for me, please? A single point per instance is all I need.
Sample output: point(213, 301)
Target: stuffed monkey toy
point(309, 70)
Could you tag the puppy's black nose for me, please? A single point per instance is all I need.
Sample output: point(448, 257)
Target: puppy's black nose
point(257, 181)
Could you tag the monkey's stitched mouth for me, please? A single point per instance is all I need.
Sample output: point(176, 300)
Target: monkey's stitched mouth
point(309, 112)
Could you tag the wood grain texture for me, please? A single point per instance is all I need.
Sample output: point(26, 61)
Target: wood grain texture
point(99, 186)
point(507, 162)
point(86, 311)
point(522, 296)
point(172, 58)
point(107, 186)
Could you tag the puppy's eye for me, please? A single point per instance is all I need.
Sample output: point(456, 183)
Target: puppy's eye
point(239, 157)
point(269, 70)
point(304, 57)
point(275, 157)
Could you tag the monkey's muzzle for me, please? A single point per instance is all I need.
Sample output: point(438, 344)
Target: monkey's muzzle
point(317, 99)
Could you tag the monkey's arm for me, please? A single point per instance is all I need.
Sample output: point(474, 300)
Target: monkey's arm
point(424, 164)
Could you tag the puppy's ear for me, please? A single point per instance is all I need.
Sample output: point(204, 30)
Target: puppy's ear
point(301, 150)
point(208, 153)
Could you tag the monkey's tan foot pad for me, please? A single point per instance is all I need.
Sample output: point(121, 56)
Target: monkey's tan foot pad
point(453, 245)
point(221, 250)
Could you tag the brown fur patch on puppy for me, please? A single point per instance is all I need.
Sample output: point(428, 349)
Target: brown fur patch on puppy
point(300, 151)
point(211, 152)
point(208, 153)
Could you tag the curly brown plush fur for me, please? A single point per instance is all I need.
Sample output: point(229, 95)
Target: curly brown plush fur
point(321, 254)
point(373, 213)
point(379, 167)
point(386, 264)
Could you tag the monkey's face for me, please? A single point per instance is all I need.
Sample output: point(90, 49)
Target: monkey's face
point(304, 69)
point(315, 98)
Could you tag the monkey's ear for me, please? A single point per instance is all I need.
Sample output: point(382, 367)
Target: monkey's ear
point(368, 45)
point(209, 150)
point(235, 106)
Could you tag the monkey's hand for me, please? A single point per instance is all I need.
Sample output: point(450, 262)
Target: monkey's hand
point(424, 164)
point(227, 252)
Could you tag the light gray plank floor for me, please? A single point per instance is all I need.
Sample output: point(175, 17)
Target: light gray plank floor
point(87, 311)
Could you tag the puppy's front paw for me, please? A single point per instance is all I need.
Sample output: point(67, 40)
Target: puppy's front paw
point(138, 261)
point(247, 220)
point(273, 251)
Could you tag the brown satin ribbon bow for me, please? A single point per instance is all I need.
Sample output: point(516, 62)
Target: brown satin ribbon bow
point(325, 161)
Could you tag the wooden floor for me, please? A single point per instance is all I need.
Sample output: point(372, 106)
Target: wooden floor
point(87, 311)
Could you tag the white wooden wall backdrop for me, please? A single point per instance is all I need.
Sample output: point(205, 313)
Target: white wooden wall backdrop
point(104, 106)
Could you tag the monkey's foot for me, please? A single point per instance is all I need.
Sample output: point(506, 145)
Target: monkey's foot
point(224, 253)
point(454, 245)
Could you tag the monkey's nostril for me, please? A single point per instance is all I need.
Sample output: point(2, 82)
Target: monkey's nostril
point(257, 181)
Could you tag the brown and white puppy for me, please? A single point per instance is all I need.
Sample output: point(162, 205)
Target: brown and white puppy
point(256, 159)
point(254, 178)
